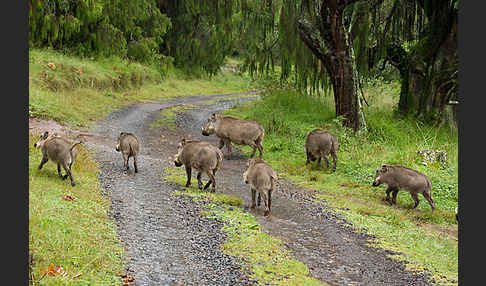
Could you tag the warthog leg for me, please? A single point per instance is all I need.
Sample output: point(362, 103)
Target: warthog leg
point(43, 161)
point(68, 173)
point(59, 170)
point(416, 199)
point(199, 182)
point(394, 196)
point(429, 199)
point(334, 158)
point(212, 180)
point(327, 161)
point(227, 142)
point(253, 194)
point(254, 146)
point(135, 163)
point(269, 200)
point(188, 172)
point(260, 148)
point(125, 161)
point(265, 200)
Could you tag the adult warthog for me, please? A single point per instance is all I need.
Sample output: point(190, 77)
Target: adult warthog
point(399, 177)
point(261, 178)
point(201, 156)
point(60, 151)
point(319, 144)
point(238, 131)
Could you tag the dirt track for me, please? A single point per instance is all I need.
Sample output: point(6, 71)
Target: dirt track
point(169, 242)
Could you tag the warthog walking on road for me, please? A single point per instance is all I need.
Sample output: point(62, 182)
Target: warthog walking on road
point(261, 178)
point(129, 147)
point(398, 177)
point(201, 156)
point(319, 144)
point(60, 151)
point(238, 131)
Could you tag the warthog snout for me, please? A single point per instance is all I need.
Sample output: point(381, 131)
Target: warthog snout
point(376, 182)
point(178, 164)
point(117, 148)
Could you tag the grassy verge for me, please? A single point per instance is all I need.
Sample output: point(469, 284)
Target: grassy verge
point(264, 255)
point(426, 238)
point(75, 235)
point(78, 91)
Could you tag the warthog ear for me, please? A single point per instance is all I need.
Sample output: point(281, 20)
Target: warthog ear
point(384, 168)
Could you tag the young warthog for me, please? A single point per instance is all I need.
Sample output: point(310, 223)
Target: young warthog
point(129, 147)
point(320, 143)
point(261, 178)
point(230, 129)
point(60, 151)
point(201, 156)
point(398, 177)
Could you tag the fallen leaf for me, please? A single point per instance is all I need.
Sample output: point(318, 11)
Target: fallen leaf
point(51, 65)
point(69, 198)
point(127, 279)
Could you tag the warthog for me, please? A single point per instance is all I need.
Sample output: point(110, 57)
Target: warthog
point(319, 144)
point(129, 147)
point(201, 156)
point(238, 131)
point(261, 178)
point(398, 177)
point(60, 151)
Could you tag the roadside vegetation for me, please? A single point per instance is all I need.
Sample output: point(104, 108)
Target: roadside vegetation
point(72, 241)
point(426, 238)
point(79, 91)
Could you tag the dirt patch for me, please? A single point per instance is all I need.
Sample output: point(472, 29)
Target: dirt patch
point(450, 231)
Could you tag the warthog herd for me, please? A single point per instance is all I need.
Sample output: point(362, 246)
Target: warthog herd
point(208, 159)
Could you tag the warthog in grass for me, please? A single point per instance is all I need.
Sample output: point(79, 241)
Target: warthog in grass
point(319, 144)
point(238, 131)
point(399, 177)
point(60, 151)
point(128, 145)
point(261, 178)
point(201, 156)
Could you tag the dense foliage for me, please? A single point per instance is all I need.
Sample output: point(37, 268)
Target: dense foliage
point(317, 45)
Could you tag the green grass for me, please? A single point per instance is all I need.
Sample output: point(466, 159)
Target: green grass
point(76, 235)
point(390, 140)
point(103, 85)
point(265, 257)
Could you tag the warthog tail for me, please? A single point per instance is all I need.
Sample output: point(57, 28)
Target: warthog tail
point(74, 145)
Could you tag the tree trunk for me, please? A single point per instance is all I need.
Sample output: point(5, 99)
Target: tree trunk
point(327, 40)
